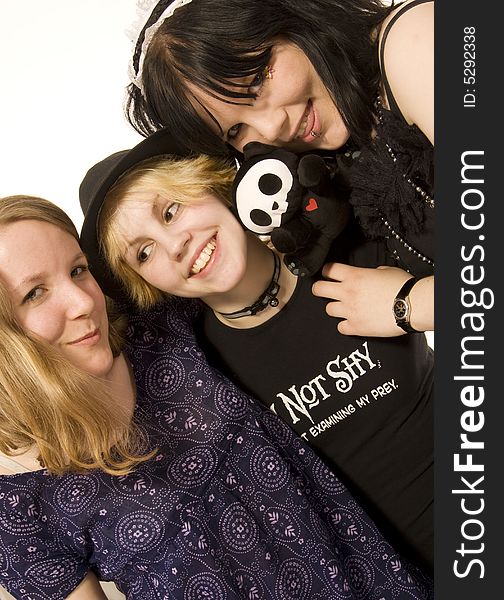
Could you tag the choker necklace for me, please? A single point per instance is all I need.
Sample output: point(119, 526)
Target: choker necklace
point(268, 297)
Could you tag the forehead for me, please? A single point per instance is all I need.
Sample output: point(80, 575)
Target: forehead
point(25, 237)
point(138, 202)
point(134, 215)
point(206, 107)
point(30, 246)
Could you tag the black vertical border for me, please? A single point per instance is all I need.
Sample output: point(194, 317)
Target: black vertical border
point(460, 129)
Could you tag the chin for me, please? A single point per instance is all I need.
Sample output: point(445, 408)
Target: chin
point(100, 365)
point(235, 276)
point(337, 139)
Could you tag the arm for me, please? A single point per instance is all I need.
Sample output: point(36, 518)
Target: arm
point(79, 583)
point(409, 65)
point(364, 297)
point(88, 589)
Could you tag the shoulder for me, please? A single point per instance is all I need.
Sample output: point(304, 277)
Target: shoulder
point(157, 330)
point(409, 62)
point(23, 462)
point(183, 310)
point(411, 18)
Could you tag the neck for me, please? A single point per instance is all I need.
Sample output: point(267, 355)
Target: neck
point(122, 382)
point(257, 278)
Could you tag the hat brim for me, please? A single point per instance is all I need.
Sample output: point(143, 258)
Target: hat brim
point(94, 188)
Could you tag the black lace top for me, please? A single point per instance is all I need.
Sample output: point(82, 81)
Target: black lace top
point(393, 186)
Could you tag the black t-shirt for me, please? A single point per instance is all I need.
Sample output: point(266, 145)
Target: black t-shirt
point(364, 404)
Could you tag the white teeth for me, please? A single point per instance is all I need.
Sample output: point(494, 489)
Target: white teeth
point(202, 260)
point(303, 124)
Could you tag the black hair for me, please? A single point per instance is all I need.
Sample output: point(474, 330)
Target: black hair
point(213, 43)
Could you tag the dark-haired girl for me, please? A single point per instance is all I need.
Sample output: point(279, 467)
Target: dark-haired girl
point(352, 78)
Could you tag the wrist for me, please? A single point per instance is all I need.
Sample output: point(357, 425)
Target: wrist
point(402, 306)
point(422, 304)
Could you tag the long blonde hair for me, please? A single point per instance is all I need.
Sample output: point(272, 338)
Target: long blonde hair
point(180, 180)
point(71, 416)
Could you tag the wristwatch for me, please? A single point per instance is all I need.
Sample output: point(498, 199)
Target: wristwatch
point(402, 307)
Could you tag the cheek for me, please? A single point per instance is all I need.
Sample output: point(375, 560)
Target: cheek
point(45, 324)
point(152, 273)
point(93, 290)
point(297, 81)
point(238, 231)
point(238, 144)
point(337, 133)
point(98, 299)
point(161, 275)
point(234, 244)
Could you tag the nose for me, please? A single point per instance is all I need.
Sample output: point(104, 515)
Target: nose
point(79, 302)
point(176, 244)
point(267, 125)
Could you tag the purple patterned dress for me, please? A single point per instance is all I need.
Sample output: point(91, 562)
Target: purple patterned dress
point(233, 505)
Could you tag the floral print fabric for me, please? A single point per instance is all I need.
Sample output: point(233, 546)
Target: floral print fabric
point(233, 505)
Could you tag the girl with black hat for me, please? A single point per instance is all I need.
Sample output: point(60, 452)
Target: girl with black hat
point(157, 221)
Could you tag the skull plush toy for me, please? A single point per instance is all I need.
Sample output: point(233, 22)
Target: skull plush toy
point(295, 201)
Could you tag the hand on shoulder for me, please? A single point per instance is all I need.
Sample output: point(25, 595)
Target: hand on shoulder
point(363, 298)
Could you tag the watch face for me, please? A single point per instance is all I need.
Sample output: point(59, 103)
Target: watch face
point(400, 309)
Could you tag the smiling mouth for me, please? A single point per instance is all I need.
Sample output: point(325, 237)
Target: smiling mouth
point(303, 128)
point(89, 336)
point(306, 129)
point(206, 254)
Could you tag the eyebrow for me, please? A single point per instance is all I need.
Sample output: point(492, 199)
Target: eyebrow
point(40, 275)
point(131, 244)
point(29, 280)
point(213, 119)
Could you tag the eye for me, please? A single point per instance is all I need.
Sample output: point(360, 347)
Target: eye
point(234, 131)
point(33, 295)
point(79, 270)
point(170, 212)
point(257, 82)
point(254, 88)
point(144, 253)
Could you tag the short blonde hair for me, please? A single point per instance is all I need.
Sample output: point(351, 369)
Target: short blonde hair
point(70, 415)
point(178, 179)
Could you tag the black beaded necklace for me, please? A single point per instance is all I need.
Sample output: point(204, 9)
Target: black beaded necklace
point(267, 298)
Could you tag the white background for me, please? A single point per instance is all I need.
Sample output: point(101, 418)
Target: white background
point(63, 74)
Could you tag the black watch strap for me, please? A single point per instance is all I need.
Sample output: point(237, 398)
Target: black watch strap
point(402, 306)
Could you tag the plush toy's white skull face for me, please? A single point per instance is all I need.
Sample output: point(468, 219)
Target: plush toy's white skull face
point(261, 196)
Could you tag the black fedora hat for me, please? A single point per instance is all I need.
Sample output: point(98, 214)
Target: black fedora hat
point(95, 186)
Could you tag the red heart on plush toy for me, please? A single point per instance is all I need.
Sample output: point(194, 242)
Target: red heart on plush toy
point(312, 205)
